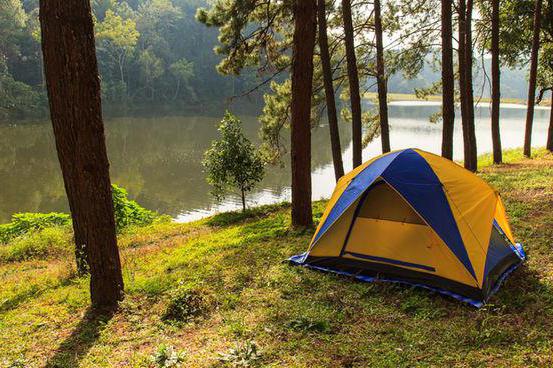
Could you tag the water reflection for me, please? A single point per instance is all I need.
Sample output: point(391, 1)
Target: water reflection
point(159, 159)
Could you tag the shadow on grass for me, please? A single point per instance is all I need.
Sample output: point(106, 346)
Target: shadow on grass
point(82, 339)
point(34, 291)
point(525, 291)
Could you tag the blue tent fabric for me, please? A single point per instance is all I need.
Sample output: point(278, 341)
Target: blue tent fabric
point(411, 175)
point(498, 249)
point(299, 260)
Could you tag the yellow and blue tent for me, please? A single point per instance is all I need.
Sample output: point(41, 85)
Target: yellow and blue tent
point(413, 217)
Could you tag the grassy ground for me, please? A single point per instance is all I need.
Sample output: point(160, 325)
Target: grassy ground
point(413, 97)
point(220, 284)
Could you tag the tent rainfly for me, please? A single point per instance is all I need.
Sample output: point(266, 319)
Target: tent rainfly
point(413, 217)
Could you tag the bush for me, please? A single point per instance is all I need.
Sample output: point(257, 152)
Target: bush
point(128, 212)
point(23, 223)
point(185, 304)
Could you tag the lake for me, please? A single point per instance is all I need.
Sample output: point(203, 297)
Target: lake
point(158, 159)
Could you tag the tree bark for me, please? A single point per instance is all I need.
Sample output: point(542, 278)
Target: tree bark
point(329, 92)
point(381, 80)
point(354, 94)
point(471, 134)
point(448, 81)
point(465, 83)
point(75, 108)
point(243, 196)
point(549, 144)
point(463, 76)
point(532, 80)
point(302, 86)
point(496, 92)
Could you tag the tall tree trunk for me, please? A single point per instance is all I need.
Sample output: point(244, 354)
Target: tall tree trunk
point(381, 80)
point(532, 80)
point(471, 133)
point(448, 81)
point(329, 92)
point(496, 92)
point(549, 144)
point(243, 196)
point(302, 85)
point(465, 84)
point(75, 108)
point(463, 76)
point(353, 77)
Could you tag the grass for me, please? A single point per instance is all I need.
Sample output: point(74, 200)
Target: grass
point(216, 293)
point(413, 97)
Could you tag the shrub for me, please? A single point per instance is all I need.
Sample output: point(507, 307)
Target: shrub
point(167, 356)
point(185, 304)
point(23, 223)
point(245, 354)
point(128, 212)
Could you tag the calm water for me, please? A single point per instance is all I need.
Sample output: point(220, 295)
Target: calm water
point(158, 160)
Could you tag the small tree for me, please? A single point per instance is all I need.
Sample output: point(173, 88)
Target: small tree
point(232, 162)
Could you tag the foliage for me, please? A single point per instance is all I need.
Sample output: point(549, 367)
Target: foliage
point(128, 212)
point(515, 38)
point(167, 356)
point(243, 354)
point(17, 97)
point(141, 48)
point(23, 223)
point(120, 32)
point(185, 304)
point(232, 161)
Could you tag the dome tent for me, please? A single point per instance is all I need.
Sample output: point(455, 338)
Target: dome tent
point(413, 217)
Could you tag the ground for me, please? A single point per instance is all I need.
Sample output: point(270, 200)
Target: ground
point(220, 283)
point(412, 97)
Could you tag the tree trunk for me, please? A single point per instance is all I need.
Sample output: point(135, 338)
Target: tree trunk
point(243, 193)
point(465, 84)
point(532, 80)
point(448, 82)
point(471, 134)
point(496, 93)
point(381, 80)
point(302, 86)
point(75, 108)
point(329, 93)
point(549, 145)
point(353, 77)
point(463, 76)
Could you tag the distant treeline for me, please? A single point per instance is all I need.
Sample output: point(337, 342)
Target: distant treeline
point(149, 52)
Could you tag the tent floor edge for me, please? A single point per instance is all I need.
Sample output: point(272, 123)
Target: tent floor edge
point(387, 273)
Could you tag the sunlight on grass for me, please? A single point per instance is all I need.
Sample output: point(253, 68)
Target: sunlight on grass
point(219, 288)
